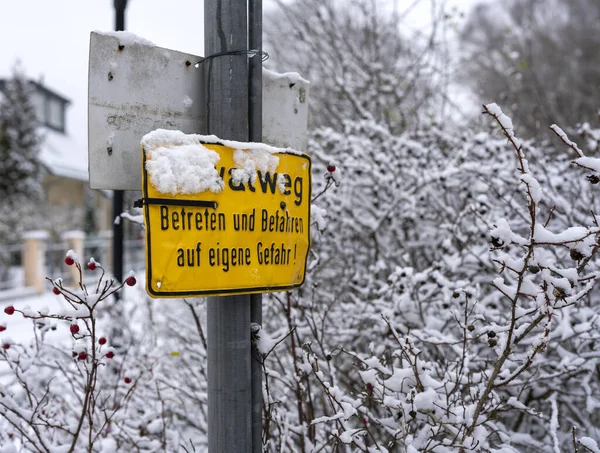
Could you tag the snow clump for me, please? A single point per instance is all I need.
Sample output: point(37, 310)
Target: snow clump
point(179, 164)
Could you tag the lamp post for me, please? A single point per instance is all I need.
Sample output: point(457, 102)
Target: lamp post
point(117, 205)
point(120, 6)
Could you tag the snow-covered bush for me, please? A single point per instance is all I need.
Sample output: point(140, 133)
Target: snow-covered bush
point(103, 375)
point(67, 389)
point(450, 307)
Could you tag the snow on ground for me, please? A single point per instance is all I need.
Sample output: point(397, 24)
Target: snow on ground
point(21, 331)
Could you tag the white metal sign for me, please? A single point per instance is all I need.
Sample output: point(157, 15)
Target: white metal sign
point(135, 88)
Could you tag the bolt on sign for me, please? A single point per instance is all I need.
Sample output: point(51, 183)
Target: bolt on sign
point(223, 217)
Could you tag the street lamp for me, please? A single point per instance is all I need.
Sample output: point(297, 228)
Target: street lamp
point(120, 6)
point(117, 205)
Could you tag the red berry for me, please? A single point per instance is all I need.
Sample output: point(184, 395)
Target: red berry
point(102, 340)
point(330, 168)
point(69, 261)
point(56, 291)
point(92, 266)
point(127, 380)
point(2, 328)
point(6, 346)
point(82, 356)
point(131, 281)
point(74, 329)
point(9, 310)
point(110, 355)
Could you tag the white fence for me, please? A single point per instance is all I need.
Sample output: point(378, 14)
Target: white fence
point(29, 263)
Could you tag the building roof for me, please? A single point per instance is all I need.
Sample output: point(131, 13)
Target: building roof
point(42, 88)
point(63, 156)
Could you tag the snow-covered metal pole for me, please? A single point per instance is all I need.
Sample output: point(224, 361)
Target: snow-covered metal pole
point(228, 318)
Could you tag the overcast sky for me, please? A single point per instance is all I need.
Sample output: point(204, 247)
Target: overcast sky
point(51, 39)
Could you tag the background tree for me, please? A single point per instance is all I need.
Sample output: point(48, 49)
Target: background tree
point(20, 177)
point(19, 141)
point(363, 60)
point(538, 58)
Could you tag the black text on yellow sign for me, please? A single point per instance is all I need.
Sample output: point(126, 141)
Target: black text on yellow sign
point(249, 238)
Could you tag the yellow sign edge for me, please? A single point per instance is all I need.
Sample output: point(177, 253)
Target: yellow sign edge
point(229, 292)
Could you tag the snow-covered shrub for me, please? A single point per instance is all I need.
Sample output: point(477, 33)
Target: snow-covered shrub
point(102, 374)
point(450, 307)
point(67, 389)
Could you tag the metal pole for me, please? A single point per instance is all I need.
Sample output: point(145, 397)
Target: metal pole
point(228, 318)
point(117, 205)
point(255, 125)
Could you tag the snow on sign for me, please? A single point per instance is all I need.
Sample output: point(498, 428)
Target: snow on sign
point(223, 217)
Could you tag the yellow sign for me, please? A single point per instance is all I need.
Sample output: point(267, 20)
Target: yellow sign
point(252, 236)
